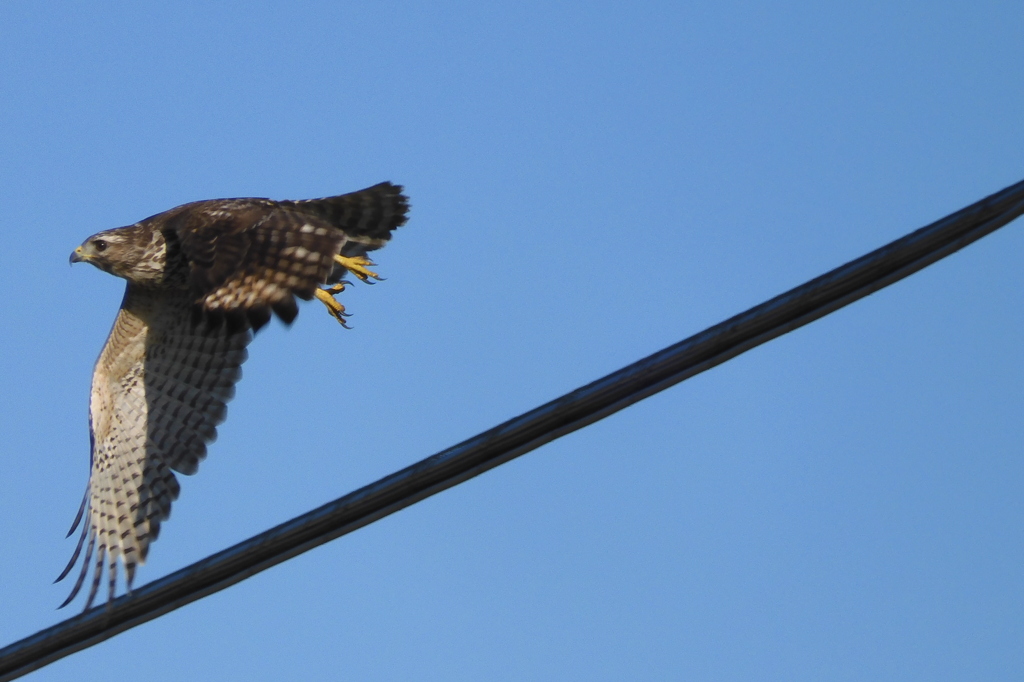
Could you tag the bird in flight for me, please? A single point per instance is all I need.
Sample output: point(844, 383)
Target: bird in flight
point(201, 278)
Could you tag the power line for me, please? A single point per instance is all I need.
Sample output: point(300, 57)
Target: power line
point(527, 432)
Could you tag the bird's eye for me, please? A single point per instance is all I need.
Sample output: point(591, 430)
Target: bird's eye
point(100, 245)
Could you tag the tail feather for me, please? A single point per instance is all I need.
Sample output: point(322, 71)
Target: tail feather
point(367, 217)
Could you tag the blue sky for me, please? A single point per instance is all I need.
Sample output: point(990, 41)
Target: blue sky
point(590, 182)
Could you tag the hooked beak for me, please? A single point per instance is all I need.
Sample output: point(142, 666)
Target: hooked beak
point(77, 256)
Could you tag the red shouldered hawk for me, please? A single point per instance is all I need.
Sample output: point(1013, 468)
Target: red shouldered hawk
point(201, 277)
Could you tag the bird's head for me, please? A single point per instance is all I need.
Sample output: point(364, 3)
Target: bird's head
point(120, 252)
point(105, 250)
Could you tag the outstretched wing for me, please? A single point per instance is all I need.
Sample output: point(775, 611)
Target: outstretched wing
point(248, 257)
point(158, 393)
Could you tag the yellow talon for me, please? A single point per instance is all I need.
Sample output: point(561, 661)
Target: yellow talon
point(357, 266)
point(337, 310)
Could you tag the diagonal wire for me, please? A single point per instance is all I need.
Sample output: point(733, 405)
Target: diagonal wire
point(522, 434)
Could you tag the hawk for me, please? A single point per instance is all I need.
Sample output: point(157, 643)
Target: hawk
point(202, 278)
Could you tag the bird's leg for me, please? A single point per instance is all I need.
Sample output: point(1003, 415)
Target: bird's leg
point(357, 266)
point(337, 310)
